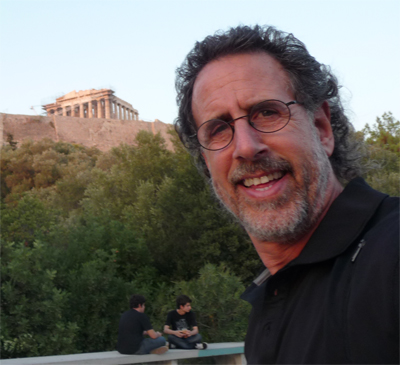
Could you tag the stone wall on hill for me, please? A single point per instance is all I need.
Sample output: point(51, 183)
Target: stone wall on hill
point(90, 132)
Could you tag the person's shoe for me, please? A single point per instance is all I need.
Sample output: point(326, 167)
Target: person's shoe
point(201, 346)
point(159, 350)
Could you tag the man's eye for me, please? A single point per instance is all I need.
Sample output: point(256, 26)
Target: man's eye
point(268, 112)
point(265, 115)
point(217, 129)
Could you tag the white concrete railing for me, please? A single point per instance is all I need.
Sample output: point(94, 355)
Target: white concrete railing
point(225, 353)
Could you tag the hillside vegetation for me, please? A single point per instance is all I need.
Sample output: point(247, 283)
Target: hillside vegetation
point(82, 230)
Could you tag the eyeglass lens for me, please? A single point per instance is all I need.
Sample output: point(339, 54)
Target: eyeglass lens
point(268, 116)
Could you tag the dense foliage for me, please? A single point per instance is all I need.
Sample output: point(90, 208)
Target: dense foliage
point(82, 230)
point(383, 154)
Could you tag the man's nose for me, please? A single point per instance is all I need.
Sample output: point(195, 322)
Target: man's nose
point(248, 143)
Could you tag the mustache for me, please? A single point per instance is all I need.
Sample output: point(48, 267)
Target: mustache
point(266, 164)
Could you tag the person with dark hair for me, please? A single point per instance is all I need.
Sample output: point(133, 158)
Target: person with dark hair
point(181, 326)
point(264, 121)
point(133, 326)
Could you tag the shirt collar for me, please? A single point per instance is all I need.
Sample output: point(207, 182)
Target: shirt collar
point(343, 223)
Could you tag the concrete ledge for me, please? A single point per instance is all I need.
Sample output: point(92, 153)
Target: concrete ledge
point(115, 358)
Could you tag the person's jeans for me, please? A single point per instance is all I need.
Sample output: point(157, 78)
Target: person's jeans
point(185, 343)
point(149, 344)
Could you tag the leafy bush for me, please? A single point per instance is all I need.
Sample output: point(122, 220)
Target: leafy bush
point(32, 307)
point(220, 313)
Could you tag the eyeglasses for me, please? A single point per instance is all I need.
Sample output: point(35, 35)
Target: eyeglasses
point(269, 116)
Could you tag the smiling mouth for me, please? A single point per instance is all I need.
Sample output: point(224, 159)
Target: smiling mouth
point(263, 180)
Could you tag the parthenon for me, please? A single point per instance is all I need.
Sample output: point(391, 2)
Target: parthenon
point(92, 104)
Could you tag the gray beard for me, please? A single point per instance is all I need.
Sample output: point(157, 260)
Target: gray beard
point(286, 219)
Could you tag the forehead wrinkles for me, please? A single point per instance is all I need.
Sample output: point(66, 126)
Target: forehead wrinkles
point(240, 81)
point(210, 87)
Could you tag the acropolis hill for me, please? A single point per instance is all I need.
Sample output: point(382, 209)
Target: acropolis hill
point(93, 118)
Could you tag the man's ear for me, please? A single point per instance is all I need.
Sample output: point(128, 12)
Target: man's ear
point(322, 121)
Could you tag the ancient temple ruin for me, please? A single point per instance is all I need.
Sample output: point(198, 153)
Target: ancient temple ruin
point(92, 104)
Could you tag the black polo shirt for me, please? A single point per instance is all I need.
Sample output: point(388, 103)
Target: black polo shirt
point(338, 301)
point(132, 324)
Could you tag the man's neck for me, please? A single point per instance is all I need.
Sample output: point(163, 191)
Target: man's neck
point(181, 312)
point(275, 256)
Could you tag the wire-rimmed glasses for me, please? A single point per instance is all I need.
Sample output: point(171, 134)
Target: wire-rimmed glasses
point(269, 116)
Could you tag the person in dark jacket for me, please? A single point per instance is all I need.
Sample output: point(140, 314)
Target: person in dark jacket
point(265, 123)
point(133, 326)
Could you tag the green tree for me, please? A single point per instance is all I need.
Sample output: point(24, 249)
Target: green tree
point(184, 227)
point(32, 307)
point(114, 188)
point(26, 220)
point(39, 165)
point(78, 239)
point(385, 133)
point(220, 313)
point(98, 296)
point(11, 142)
point(136, 219)
point(382, 159)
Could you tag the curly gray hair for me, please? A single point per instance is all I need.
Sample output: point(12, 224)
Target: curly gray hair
point(312, 82)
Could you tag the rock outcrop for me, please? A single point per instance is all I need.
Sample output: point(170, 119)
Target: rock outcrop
point(90, 132)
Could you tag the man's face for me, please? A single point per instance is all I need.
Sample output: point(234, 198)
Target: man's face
point(273, 183)
point(186, 308)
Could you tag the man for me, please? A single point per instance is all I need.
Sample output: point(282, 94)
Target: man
point(181, 326)
point(265, 123)
point(133, 326)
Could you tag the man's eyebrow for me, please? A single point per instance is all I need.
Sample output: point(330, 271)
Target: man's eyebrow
point(226, 117)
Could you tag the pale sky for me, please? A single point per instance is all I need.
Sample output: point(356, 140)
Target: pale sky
point(51, 47)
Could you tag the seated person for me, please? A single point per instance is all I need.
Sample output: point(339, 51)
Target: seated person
point(181, 326)
point(133, 326)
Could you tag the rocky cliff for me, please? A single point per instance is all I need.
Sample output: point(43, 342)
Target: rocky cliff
point(90, 132)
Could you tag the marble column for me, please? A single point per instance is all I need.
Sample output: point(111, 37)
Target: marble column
point(72, 111)
point(81, 111)
point(64, 112)
point(119, 112)
point(107, 102)
point(90, 109)
point(99, 113)
point(115, 110)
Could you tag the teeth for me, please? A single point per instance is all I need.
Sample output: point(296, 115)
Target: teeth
point(263, 179)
